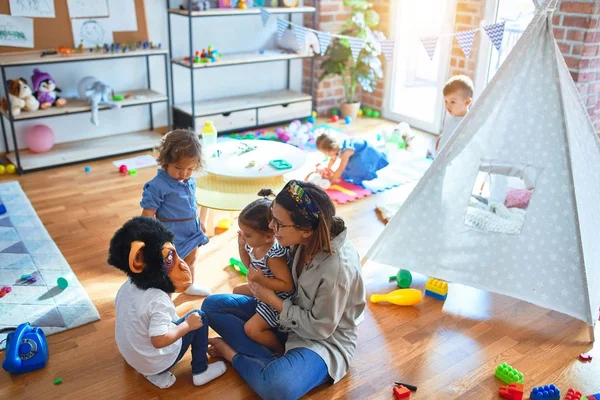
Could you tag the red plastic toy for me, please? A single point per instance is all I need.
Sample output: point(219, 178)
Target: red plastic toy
point(401, 392)
point(123, 169)
point(585, 357)
point(5, 290)
point(335, 118)
point(573, 395)
point(514, 391)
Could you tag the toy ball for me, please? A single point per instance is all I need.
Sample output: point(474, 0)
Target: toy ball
point(87, 168)
point(314, 114)
point(11, 169)
point(335, 112)
point(360, 112)
point(312, 119)
point(335, 118)
point(348, 119)
point(2, 169)
point(39, 138)
point(369, 112)
point(376, 114)
point(123, 169)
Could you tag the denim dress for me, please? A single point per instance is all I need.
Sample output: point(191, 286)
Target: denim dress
point(364, 163)
point(176, 207)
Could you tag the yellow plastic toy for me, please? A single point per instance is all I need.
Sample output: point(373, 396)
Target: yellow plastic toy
point(224, 223)
point(400, 297)
point(2, 169)
point(11, 169)
point(436, 288)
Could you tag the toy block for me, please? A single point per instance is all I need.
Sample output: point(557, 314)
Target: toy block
point(514, 391)
point(400, 392)
point(572, 394)
point(593, 396)
point(508, 374)
point(547, 392)
point(437, 287)
point(585, 357)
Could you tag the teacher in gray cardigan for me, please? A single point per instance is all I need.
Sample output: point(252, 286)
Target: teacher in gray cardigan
point(318, 324)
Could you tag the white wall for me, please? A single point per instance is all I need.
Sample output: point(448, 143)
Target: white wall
point(233, 34)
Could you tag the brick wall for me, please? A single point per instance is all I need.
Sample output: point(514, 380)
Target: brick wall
point(577, 32)
point(469, 14)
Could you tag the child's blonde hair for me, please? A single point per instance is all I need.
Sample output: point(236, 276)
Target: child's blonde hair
point(460, 83)
point(178, 144)
point(328, 141)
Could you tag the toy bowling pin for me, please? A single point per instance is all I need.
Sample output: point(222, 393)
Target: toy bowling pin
point(400, 297)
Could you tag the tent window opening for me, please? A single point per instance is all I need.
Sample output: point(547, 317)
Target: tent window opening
point(501, 196)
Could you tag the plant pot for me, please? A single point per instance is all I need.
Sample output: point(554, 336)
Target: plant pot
point(350, 109)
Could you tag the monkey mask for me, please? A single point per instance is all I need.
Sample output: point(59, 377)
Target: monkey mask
point(143, 249)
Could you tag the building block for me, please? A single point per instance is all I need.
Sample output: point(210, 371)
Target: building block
point(514, 391)
point(585, 357)
point(437, 287)
point(593, 396)
point(508, 374)
point(572, 394)
point(547, 392)
point(400, 392)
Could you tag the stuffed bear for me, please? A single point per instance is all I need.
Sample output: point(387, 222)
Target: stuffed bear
point(149, 334)
point(20, 96)
point(45, 90)
point(96, 93)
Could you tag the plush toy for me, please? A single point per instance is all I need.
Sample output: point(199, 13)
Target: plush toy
point(149, 334)
point(299, 133)
point(96, 93)
point(318, 179)
point(20, 96)
point(45, 90)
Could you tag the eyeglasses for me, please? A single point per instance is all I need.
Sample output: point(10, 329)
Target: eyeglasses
point(278, 225)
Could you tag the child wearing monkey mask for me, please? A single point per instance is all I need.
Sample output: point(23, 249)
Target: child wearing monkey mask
point(148, 333)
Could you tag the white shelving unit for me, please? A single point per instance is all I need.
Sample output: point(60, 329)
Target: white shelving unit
point(246, 111)
point(87, 149)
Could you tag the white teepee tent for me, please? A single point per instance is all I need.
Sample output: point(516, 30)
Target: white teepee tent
point(529, 122)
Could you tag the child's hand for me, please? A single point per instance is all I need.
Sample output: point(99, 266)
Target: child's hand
point(194, 321)
point(241, 239)
point(255, 275)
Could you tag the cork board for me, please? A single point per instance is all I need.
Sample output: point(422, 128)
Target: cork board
point(50, 33)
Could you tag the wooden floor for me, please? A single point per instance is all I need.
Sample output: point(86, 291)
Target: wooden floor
point(449, 350)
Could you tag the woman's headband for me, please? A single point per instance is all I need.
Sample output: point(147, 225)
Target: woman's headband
point(304, 202)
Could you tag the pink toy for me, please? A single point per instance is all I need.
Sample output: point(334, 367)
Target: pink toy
point(39, 138)
point(123, 169)
point(344, 192)
point(585, 357)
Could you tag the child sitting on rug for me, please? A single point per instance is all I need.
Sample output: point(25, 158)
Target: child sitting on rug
point(359, 160)
point(458, 96)
point(267, 264)
point(170, 197)
point(149, 335)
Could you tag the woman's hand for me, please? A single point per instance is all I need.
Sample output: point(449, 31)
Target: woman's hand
point(265, 295)
point(255, 275)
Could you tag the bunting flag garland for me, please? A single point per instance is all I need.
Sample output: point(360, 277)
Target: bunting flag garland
point(465, 41)
point(300, 32)
point(324, 40)
point(495, 33)
point(387, 48)
point(281, 27)
point(430, 43)
point(264, 15)
point(355, 47)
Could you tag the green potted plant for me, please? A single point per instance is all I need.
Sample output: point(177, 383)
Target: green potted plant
point(367, 68)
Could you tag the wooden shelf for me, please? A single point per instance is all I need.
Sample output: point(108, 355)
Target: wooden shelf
point(227, 12)
point(74, 106)
point(244, 58)
point(89, 149)
point(245, 102)
point(28, 58)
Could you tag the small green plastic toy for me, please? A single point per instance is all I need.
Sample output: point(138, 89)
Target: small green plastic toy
point(238, 265)
point(58, 381)
point(118, 97)
point(280, 164)
point(403, 279)
point(335, 111)
point(508, 374)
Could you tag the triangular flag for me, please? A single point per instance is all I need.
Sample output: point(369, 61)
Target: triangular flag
point(387, 48)
point(430, 43)
point(281, 27)
point(324, 40)
point(495, 33)
point(356, 46)
point(264, 15)
point(300, 32)
point(465, 41)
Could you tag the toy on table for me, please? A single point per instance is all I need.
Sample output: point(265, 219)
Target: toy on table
point(20, 96)
point(251, 164)
point(400, 297)
point(2, 209)
point(11, 169)
point(508, 374)
point(401, 392)
point(514, 391)
point(26, 350)
point(5, 290)
point(45, 90)
point(572, 394)
point(280, 164)
point(63, 282)
point(436, 288)
point(96, 93)
point(585, 357)
point(548, 392)
point(403, 279)
point(238, 265)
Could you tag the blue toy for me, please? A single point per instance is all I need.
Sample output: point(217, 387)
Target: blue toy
point(312, 119)
point(87, 168)
point(26, 350)
point(548, 392)
point(2, 209)
point(348, 119)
